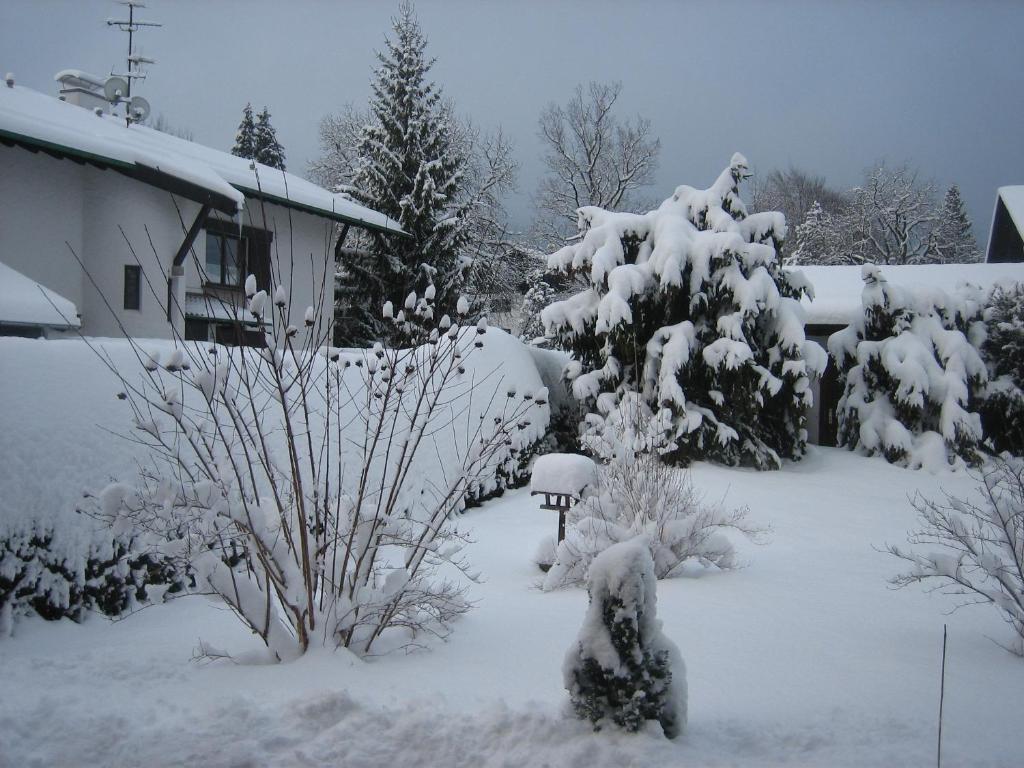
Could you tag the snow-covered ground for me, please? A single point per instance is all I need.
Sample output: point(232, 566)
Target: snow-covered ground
point(803, 657)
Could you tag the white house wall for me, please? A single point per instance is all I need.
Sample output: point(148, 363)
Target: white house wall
point(153, 229)
point(50, 203)
point(41, 214)
point(301, 255)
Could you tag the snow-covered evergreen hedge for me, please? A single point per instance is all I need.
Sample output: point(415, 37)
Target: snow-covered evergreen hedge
point(1002, 413)
point(689, 307)
point(622, 667)
point(56, 574)
point(914, 375)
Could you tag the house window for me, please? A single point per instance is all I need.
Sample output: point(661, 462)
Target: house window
point(233, 253)
point(132, 286)
point(225, 259)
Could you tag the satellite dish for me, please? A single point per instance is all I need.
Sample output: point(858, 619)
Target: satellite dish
point(115, 89)
point(138, 108)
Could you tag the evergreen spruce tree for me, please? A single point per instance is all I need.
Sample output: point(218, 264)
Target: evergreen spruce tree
point(245, 139)
point(622, 667)
point(408, 167)
point(819, 240)
point(539, 295)
point(689, 307)
point(268, 149)
point(952, 239)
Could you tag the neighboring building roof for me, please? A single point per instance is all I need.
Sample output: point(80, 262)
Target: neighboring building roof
point(1013, 199)
point(23, 301)
point(40, 122)
point(837, 290)
point(1006, 238)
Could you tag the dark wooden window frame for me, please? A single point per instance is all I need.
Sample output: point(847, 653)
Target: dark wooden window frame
point(252, 242)
point(132, 286)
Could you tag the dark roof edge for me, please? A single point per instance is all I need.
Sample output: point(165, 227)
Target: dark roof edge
point(151, 176)
point(333, 215)
point(173, 184)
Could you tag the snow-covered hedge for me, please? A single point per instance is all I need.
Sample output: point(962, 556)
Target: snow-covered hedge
point(66, 432)
point(689, 307)
point(55, 575)
point(622, 667)
point(914, 375)
point(1002, 413)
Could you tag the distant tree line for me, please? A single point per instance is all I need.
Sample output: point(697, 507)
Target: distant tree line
point(892, 217)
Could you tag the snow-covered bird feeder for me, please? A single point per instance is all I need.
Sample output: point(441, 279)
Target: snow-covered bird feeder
point(562, 478)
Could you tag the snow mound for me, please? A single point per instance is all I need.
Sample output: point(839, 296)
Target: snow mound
point(563, 473)
point(23, 301)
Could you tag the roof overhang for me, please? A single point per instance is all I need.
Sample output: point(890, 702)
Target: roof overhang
point(257, 194)
point(152, 176)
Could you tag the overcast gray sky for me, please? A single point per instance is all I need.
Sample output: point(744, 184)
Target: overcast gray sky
point(828, 87)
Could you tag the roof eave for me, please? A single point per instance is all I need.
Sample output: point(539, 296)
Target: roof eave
point(316, 211)
point(152, 176)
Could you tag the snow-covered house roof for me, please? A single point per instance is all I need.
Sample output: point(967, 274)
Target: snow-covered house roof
point(23, 301)
point(42, 123)
point(837, 290)
point(1006, 237)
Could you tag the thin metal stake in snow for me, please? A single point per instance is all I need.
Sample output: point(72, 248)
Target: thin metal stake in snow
point(942, 697)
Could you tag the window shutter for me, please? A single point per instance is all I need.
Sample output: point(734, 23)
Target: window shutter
point(259, 259)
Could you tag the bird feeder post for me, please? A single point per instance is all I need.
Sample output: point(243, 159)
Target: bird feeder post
point(560, 503)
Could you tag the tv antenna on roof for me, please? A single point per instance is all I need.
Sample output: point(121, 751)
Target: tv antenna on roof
point(131, 25)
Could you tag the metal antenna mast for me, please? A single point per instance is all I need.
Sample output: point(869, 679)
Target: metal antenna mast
point(131, 25)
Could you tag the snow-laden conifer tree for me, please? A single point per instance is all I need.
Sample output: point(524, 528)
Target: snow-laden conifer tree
point(952, 239)
point(688, 305)
point(245, 138)
point(622, 667)
point(1002, 413)
point(268, 149)
point(914, 378)
point(820, 240)
point(409, 167)
point(538, 296)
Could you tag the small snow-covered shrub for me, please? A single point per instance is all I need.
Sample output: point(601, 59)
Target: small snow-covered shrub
point(622, 667)
point(914, 377)
point(640, 495)
point(981, 545)
point(688, 307)
point(55, 577)
point(1002, 413)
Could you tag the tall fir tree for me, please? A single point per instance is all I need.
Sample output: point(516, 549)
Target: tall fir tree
point(268, 149)
point(245, 138)
point(952, 239)
point(409, 167)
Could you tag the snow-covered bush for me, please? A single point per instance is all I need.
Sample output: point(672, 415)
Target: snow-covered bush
point(55, 575)
point(981, 559)
point(689, 307)
point(1002, 413)
point(639, 494)
point(914, 377)
point(622, 667)
point(336, 475)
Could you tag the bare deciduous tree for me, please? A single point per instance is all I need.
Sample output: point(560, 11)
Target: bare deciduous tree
point(794, 192)
point(981, 559)
point(592, 159)
point(892, 215)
